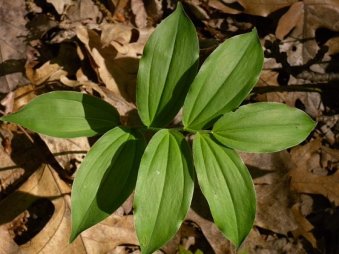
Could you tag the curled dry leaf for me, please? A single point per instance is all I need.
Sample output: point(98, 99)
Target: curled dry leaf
point(117, 73)
point(45, 185)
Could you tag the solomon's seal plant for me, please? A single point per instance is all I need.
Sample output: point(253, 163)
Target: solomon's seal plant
point(162, 172)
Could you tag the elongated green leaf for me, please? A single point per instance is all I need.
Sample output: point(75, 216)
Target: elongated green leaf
point(263, 127)
point(66, 114)
point(227, 185)
point(164, 189)
point(224, 80)
point(106, 177)
point(167, 68)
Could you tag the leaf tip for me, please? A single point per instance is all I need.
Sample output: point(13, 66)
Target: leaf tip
point(74, 235)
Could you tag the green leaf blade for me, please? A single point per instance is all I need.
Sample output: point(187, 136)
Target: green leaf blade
point(164, 189)
point(227, 185)
point(66, 114)
point(224, 80)
point(106, 178)
point(263, 127)
point(167, 68)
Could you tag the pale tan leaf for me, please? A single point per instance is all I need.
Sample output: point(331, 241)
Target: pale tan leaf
point(109, 234)
point(7, 245)
point(60, 5)
point(68, 152)
point(139, 11)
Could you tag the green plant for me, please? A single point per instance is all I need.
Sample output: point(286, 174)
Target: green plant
point(163, 171)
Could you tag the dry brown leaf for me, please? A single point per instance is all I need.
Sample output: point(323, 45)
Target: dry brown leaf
point(333, 45)
point(308, 175)
point(115, 32)
point(273, 207)
point(42, 184)
point(117, 74)
point(47, 72)
point(82, 10)
point(109, 234)
point(213, 235)
point(7, 246)
point(264, 7)
point(288, 21)
point(312, 18)
point(68, 152)
point(270, 173)
point(311, 100)
point(54, 237)
point(219, 5)
point(12, 44)
point(304, 226)
point(65, 63)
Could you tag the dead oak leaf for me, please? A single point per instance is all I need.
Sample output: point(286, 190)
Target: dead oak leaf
point(264, 7)
point(118, 74)
point(303, 19)
point(53, 237)
point(305, 177)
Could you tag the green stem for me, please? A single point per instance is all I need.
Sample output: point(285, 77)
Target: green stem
point(155, 129)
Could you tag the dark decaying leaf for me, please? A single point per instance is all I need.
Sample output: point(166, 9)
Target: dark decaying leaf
point(263, 127)
point(106, 178)
point(66, 114)
point(164, 189)
point(167, 68)
point(223, 81)
point(227, 185)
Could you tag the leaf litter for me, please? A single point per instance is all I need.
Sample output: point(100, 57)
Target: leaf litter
point(94, 47)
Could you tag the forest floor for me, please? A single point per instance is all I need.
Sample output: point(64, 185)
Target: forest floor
point(94, 46)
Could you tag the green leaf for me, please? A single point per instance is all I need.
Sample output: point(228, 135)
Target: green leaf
point(224, 80)
point(167, 68)
point(227, 185)
point(106, 178)
point(263, 127)
point(164, 189)
point(66, 114)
